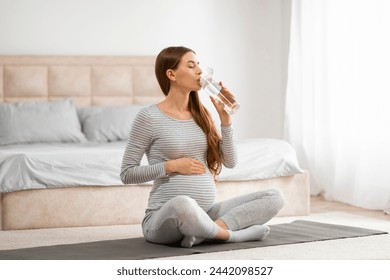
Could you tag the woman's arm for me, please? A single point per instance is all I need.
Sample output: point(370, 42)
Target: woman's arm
point(228, 148)
point(139, 141)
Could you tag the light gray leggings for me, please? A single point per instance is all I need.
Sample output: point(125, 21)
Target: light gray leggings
point(182, 216)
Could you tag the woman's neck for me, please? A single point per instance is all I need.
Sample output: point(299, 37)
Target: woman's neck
point(176, 105)
point(178, 100)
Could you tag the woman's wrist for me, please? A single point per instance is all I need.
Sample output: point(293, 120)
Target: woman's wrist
point(226, 121)
point(169, 167)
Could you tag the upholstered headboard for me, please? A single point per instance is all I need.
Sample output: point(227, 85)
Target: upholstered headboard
point(88, 80)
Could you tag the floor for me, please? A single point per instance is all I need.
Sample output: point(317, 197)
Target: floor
point(364, 248)
point(319, 205)
point(322, 210)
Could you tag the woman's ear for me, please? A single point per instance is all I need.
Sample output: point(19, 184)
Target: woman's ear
point(171, 75)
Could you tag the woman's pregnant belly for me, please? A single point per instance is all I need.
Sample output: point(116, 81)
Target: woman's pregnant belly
point(199, 187)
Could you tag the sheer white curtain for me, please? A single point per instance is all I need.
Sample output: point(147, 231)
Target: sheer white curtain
point(338, 98)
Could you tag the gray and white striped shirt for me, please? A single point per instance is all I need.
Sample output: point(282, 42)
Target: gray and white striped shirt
point(164, 138)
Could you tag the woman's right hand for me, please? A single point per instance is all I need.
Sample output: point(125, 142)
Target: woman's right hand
point(185, 166)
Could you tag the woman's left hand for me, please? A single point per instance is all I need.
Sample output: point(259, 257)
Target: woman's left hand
point(219, 106)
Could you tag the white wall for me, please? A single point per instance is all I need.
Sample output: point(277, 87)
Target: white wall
point(243, 40)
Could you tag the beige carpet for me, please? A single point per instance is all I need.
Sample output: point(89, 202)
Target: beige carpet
point(372, 247)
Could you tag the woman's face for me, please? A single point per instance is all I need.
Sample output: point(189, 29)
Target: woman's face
point(188, 73)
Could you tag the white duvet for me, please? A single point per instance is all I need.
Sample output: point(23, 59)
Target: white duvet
point(37, 166)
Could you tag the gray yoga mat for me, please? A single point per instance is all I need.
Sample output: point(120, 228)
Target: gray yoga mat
point(137, 248)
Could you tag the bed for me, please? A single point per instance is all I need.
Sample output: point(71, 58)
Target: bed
point(62, 136)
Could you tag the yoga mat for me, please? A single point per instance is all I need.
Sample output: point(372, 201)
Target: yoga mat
point(137, 248)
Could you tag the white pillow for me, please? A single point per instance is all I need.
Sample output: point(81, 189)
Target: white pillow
point(32, 122)
point(108, 123)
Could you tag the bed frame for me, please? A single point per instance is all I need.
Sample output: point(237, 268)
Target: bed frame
point(93, 81)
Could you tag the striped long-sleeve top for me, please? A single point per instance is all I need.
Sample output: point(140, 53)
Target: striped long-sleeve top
point(164, 138)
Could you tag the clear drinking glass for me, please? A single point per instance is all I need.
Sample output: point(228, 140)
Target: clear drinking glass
point(212, 88)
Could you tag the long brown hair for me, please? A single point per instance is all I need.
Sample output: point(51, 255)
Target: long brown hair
point(169, 58)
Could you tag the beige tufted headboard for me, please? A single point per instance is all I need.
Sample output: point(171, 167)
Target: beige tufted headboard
point(88, 80)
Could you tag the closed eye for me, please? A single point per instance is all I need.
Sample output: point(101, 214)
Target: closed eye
point(192, 64)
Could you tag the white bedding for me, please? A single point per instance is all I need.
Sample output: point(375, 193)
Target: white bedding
point(37, 166)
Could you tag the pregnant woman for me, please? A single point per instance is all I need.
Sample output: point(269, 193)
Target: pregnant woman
point(185, 153)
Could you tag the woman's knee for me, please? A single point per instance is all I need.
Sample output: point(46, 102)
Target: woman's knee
point(278, 198)
point(191, 218)
point(183, 205)
point(182, 200)
point(164, 225)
